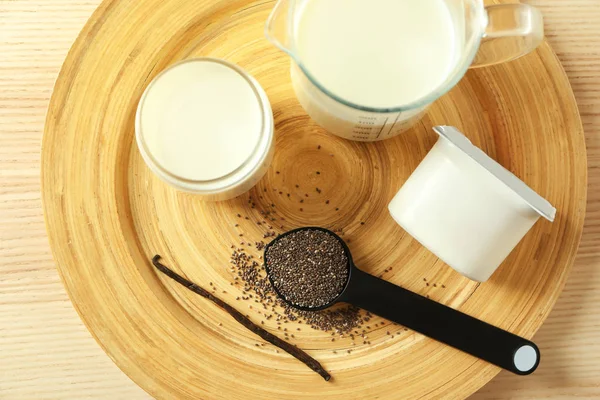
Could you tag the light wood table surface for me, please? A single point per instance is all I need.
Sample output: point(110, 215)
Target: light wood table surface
point(47, 353)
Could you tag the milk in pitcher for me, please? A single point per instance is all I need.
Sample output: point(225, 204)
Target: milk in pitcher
point(376, 54)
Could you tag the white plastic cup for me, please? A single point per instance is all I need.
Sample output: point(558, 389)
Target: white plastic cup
point(465, 207)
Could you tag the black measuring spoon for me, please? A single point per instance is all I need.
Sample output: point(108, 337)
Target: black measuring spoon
point(426, 316)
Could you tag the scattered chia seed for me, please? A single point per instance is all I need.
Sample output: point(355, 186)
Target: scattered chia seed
point(338, 319)
point(308, 267)
point(249, 279)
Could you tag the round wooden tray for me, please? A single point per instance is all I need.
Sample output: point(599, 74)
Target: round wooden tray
point(107, 215)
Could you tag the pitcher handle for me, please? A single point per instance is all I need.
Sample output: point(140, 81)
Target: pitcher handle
point(512, 31)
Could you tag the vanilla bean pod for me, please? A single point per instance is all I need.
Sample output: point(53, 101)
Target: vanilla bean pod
point(245, 321)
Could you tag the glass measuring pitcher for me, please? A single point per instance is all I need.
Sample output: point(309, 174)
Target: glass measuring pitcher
point(367, 70)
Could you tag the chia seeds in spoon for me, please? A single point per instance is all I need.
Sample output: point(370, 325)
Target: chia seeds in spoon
point(309, 268)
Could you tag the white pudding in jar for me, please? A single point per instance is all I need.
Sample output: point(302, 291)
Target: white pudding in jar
point(205, 126)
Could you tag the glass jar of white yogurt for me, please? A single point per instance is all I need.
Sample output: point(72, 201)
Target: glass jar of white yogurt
point(205, 126)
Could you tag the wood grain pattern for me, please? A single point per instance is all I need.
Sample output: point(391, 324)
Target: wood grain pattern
point(103, 205)
point(25, 258)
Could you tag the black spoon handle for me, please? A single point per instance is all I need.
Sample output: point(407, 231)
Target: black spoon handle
point(442, 323)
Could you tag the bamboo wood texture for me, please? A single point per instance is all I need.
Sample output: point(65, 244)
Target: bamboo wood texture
point(125, 178)
point(104, 206)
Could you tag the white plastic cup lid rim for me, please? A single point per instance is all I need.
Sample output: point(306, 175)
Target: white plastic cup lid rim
point(534, 200)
